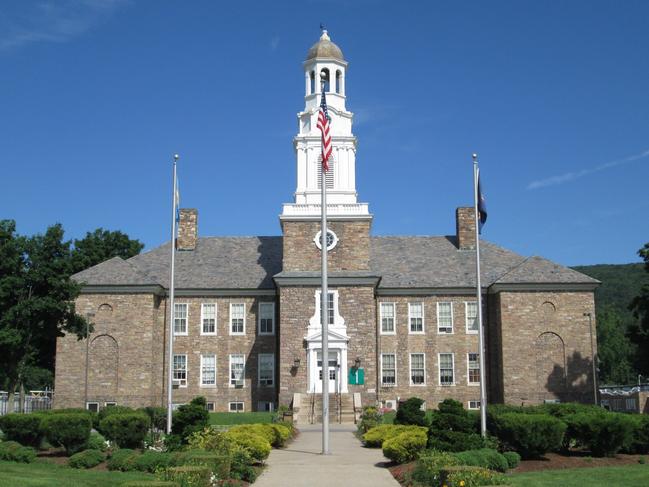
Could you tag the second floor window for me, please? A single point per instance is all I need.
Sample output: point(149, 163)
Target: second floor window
point(208, 318)
point(416, 317)
point(266, 318)
point(180, 319)
point(444, 318)
point(237, 319)
point(387, 317)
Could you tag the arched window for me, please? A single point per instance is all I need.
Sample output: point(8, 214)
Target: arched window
point(327, 78)
point(339, 78)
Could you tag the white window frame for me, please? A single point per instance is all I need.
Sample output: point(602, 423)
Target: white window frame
point(272, 369)
point(260, 406)
point(259, 317)
point(469, 331)
point(96, 405)
point(203, 318)
point(475, 407)
point(243, 375)
point(186, 379)
point(439, 368)
point(383, 384)
point(468, 369)
point(439, 332)
point(203, 357)
point(410, 368)
point(210, 406)
point(186, 332)
point(423, 319)
point(394, 317)
point(237, 333)
point(243, 407)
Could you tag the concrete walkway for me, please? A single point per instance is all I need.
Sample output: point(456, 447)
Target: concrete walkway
point(301, 464)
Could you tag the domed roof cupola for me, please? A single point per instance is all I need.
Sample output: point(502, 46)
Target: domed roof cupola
point(324, 48)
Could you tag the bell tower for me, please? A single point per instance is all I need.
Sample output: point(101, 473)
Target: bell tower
point(325, 59)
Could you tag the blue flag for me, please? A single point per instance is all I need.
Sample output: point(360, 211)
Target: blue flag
point(482, 207)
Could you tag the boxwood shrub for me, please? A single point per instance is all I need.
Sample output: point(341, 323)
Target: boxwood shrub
point(70, 430)
point(603, 433)
point(86, 459)
point(150, 461)
point(97, 442)
point(485, 457)
point(188, 475)
point(639, 441)
point(531, 435)
point(428, 466)
point(126, 429)
point(410, 412)
point(15, 452)
point(513, 458)
point(108, 411)
point(263, 430)
point(23, 428)
point(405, 446)
point(219, 464)
point(375, 437)
point(257, 446)
point(123, 459)
point(456, 441)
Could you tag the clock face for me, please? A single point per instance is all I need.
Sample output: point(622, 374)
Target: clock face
point(332, 240)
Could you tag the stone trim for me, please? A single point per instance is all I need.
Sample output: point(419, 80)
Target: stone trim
point(543, 286)
point(159, 290)
point(123, 289)
point(427, 291)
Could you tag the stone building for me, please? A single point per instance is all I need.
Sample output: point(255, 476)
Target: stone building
point(247, 331)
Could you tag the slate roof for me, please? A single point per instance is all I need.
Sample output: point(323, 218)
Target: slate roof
point(402, 262)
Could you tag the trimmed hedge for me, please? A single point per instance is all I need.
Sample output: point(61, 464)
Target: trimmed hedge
point(531, 435)
point(70, 430)
point(97, 442)
point(370, 418)
point(150, 461)
point(639, 441)
point(485, 457)
point(128, 430)
point(23, 428)
point(15, 452)
point(428, 466)
point(467, 476)
point(257, 446)
point(513, 458)
point(263, 430)
point(405, 446)
point(86, 459)
point(123, 459)
point(603, 433)
point(150, 483)
point(188, 475)
point(410, 413)
point(457, 441)
point(219, 464)
point(375, 437)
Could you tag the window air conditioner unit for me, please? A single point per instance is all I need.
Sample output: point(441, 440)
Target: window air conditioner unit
point(391, 404)
point(446, 330)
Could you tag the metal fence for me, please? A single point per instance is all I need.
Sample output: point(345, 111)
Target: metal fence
point(34, 401)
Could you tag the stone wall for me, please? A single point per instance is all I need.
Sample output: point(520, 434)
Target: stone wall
point(187, 229)
point(465, 228)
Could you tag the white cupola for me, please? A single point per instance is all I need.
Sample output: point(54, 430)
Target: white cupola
point(325, 57)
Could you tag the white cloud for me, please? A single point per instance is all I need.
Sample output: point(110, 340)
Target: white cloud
point(571, 176)
point(52, 21)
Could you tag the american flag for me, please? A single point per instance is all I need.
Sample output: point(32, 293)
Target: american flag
point(323, 126)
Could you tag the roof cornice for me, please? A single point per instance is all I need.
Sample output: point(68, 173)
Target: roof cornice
point(122, 289)
point(544, 287)
point(427, 291)
point(283, 281)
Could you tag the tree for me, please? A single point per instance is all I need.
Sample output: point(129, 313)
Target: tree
point(101, 245)
point(614, 349)
point(639, 331)
point(36, 298)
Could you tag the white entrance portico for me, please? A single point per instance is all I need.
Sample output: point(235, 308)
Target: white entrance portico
point(336, 366)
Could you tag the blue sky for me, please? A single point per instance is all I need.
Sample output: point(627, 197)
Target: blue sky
point(96, 96)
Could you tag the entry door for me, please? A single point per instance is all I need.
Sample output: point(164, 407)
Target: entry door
point(332, 371)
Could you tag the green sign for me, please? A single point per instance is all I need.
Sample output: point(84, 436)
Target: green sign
point(356, 376)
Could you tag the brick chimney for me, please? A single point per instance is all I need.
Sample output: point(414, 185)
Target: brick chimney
point(187, 229)
point(465, 228)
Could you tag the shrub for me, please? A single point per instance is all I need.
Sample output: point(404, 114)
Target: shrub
point(97, 442)
point(467, 476)
point(86, 459)
point(531, 435)
point(370, 418)
point(23, 428)
point(410, 413)
point(429, 464)
point(157, 415)
point(209, 439)
point(241, 465)
point(123, 459)
point(15, 452)
point(190, 418)
point(70, 430)
point(150, 461)
point(457, 441)
point(452, 416)
point(405, 446)
point(109, 411)
point(150, 483)
point(257, 446)
point(513, 458)
point(485, 457)
point(219, 464)
point(375, 437)
point(282, 434)
point(188, 475)
point(126, 429)
point(263, 430)
point(639, 441)
point(602, 433)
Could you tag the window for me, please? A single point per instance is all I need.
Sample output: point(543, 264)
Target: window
point(474, 405)
point(92, 406)
point(387, 318)
point(210, 407)
point(265, 406)
point(180, 370)
point(332, 240)
point(417, 369)
point(180, 319)
point(266, 318)
point(237, 368)
point(330, 308)
point(235, 407)
point(630, 404)
point(471, 313)
point(237, 319)
point(110, 403)
point(416, 317)
point(446, 369)
point(388, 369)
point(208, 319)
point(444, 317)
point(474, 368)
point(208, 370)
point(266, 369)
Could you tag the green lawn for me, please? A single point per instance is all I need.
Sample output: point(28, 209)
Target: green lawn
point(240, 418)
point(43, 474)
point(627, 476)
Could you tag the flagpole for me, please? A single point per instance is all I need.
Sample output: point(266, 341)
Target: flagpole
point(481, 347)
point(324, 305)
point(171, 297)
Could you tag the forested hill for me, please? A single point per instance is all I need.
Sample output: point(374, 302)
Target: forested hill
point(620, 284)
